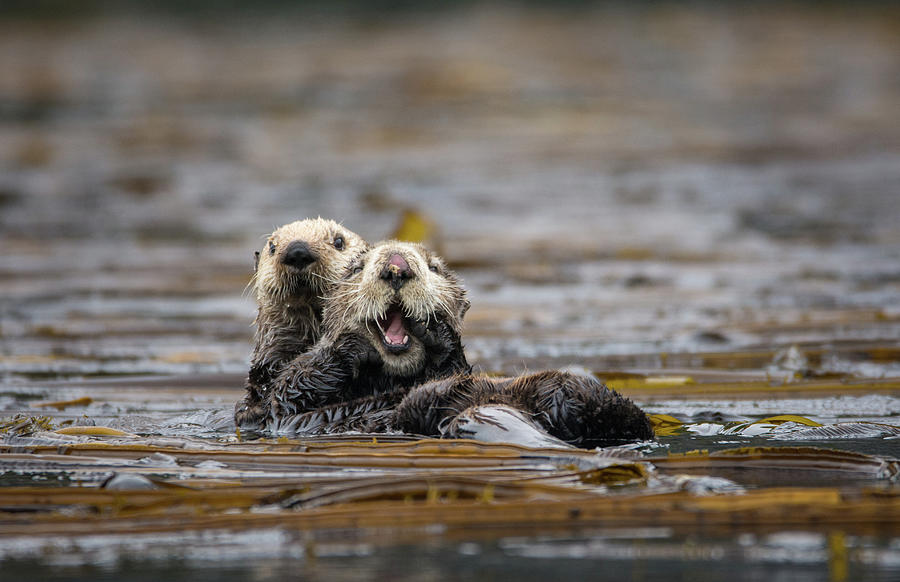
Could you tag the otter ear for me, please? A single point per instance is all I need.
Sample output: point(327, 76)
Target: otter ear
point(464, 306)
point(256, 261)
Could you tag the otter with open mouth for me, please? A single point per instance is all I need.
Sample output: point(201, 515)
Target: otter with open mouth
point(295, 269)
point(391, 359)
point(393, 321)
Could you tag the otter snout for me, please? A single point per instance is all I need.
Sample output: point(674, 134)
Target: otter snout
point(396, 271)
point(298, 255)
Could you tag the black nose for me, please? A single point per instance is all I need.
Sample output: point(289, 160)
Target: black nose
point(298, 254)
point(396, 271)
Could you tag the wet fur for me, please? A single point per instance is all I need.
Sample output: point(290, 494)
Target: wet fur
point(577, 409)
point(351, 362)
point(349, 381)
point(290, 303)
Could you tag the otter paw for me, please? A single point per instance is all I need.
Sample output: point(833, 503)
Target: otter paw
point(356, 352)
point(437, 336)
point(422, 332)
point(370, 356)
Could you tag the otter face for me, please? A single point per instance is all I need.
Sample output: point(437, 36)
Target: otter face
point(302, 260)
point(387, 292)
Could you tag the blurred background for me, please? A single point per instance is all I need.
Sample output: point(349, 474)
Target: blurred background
point(621, 185)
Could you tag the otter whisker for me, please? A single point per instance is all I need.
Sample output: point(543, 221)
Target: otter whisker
point(251, 284)
point(334, 280)
point(323, 277)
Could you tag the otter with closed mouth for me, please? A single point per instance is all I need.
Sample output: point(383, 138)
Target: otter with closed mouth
point(295, 269)
point(393, 321)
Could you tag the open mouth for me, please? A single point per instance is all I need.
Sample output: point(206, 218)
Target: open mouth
point(394, 334)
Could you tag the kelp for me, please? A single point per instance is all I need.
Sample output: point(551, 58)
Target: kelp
point(306, 484)
point(866, 511)
point(414, 226)
point(791, 460)
point(63, 404)
point(92, 431)
point(21, 425)
point(658, 386)
point(121, 482)
point(287, 455)
point(666, 425)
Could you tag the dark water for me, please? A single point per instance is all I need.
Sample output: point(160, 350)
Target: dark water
point(667, 190)
point(801, 557)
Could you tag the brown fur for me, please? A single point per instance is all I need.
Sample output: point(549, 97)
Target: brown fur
point(575, 408)
point(420, 306)
point(433, 291)
point(290, 299)
point(390, 358)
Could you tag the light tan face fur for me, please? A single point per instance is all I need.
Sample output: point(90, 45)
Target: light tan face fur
point(333, 246)
point(366, 301)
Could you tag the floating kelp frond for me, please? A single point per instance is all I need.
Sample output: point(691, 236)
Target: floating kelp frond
point(63, 404)
point(21, 425)
point(93, 431)
point(649, 382)
point(636, 388)
point(249, 464)
point(781, 418)
point(414, 226)
point(134, 512)
point(436, 489)
point(666, 425)
point(796, 459)
point(620, 474)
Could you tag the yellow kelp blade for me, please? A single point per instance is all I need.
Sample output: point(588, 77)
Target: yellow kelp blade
point(666, 425)
point(414, 227)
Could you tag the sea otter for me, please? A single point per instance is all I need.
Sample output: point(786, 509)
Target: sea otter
point(391, 359)
point(392, 322)
point(294, 270)
point(576, 409)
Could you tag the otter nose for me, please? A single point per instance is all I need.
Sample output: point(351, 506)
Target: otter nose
point(298, 254)
point(396, 271)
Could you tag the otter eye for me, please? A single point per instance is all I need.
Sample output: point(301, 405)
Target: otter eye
point(271, 248)
point(339, 243)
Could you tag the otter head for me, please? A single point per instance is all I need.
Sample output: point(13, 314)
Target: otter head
point(301, 261)
point(389, 292)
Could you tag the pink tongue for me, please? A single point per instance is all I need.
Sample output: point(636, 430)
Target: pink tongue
point(394, 331)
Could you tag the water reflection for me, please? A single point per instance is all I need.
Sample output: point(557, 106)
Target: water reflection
point(620, 554)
